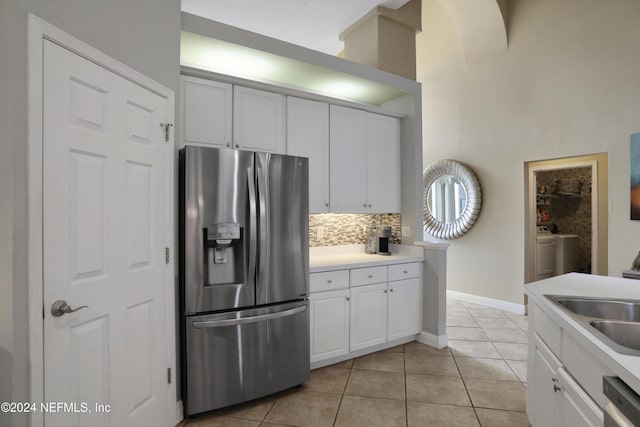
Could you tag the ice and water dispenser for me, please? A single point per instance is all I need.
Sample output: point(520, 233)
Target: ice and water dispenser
point(225, 253)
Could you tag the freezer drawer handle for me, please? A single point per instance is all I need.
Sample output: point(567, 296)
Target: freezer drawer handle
point(245, 320)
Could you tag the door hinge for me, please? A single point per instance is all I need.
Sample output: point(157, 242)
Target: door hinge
point(168, 375)
point(166, 127)
point(166, 255)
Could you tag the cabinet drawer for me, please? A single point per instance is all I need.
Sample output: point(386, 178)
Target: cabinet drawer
point(405, 271)
point(328, 281)
point(368, 276)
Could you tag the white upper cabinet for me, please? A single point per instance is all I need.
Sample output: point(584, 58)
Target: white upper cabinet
point(205, 110)
point(348, 160)
point(383, 163)
point(365, 162)
point(258, 120)
point(308, 136)
point(218, 114)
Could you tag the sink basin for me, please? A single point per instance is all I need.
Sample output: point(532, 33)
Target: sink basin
point(615, 322)
point(601, 308)
point(625, 334)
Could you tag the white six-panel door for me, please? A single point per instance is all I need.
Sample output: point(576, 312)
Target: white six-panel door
point(104, 160)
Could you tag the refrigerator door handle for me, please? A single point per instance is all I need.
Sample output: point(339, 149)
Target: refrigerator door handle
point(245, 320)
point(253, 225)
point(262, 165)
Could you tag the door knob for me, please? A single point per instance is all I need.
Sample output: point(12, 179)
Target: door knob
point(60, 307)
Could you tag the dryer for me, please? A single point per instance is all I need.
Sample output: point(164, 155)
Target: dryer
point(546, 253)
point(566, 253)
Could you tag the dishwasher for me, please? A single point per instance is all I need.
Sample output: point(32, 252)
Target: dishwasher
point(623, 409)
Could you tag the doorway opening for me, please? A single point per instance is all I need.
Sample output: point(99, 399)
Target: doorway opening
point(566, 216)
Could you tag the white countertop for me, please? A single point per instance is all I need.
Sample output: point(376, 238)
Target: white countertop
point(327, 258)
point(575, 284)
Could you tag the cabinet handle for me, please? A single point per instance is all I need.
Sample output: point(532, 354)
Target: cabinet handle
point(556, 388)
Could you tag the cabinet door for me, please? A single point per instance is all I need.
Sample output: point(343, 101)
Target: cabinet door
point(258, 120)
point(575, 407)
point(348, 160)
point(368, 316)
point(545, 386)
point(383, 164)
point(308, 136)
point(329, 314)
point(205, 112)
point(404, 308)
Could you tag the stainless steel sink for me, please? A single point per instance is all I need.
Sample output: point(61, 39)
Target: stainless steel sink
point(601, 308)
point(615, 322)
point(626, 334)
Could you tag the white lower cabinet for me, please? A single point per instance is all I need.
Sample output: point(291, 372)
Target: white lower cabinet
point(353, 310)
point(403, 308)
point(554, 397)
point(368, 316)
point(329, 320)
point(575, 407)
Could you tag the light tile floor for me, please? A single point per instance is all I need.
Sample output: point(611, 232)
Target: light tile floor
point(479, 380)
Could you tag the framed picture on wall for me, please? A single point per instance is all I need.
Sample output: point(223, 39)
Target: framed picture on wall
point(635, 176)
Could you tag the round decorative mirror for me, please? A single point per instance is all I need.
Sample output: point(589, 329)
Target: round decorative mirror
point(452, 199)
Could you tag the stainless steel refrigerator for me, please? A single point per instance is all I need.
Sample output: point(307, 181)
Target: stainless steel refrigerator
point(244, 275)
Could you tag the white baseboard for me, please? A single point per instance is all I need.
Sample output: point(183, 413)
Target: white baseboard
point(437, 341)
point(488, 302)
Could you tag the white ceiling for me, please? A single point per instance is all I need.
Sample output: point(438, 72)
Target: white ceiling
point(314, 24)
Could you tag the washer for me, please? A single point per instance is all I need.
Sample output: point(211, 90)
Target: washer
point(566, 253)
point(546, 253)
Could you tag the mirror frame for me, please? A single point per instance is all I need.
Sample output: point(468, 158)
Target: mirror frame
point(465, 221)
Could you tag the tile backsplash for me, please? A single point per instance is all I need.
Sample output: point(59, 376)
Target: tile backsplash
point(349, 229)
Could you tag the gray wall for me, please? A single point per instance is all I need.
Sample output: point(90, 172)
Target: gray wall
point(143, 34)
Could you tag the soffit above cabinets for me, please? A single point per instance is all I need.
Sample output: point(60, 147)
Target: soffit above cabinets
point(218, 56)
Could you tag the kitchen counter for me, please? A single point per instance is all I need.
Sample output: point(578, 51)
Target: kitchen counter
point(626, 367)
point(327, 258)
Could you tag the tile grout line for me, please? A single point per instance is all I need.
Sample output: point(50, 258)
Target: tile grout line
point(344, 390)
point(462, 378)
point(406, 396)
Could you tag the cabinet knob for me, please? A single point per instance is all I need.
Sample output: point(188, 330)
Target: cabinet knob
point(326, 204)
point(228, 144)
point(329, 281)
point(369, 205)
point(364, 206)
point(391, 290)
point(556, 388)
point(237, 145)
point(370, 276)
point(405, 272)
point(385, 291)
point(348, 299)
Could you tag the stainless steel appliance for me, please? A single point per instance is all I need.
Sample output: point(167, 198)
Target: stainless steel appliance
point(623, 409)
point(244, 275)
